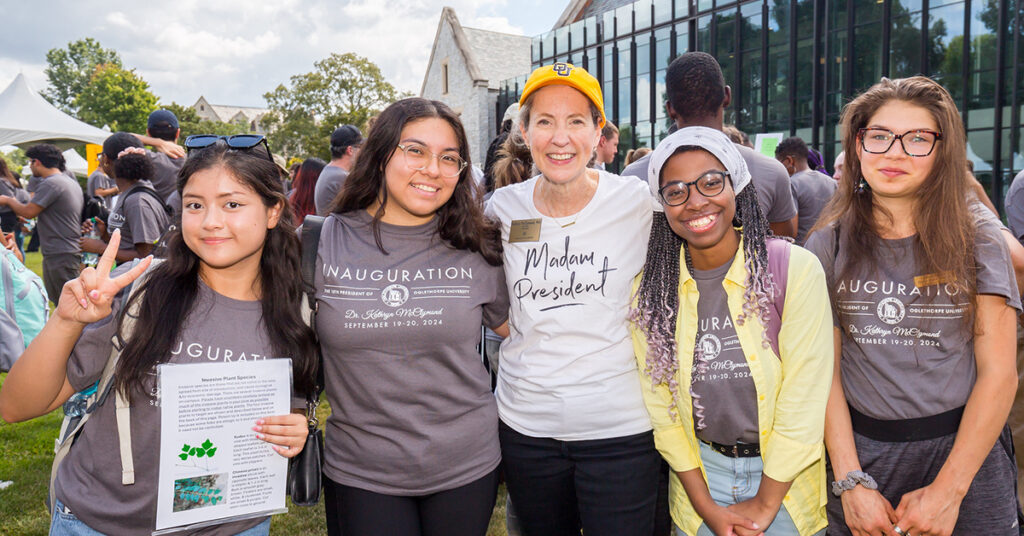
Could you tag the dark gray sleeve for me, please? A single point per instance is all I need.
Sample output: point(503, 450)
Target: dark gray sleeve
point(144, 220)
point(822, 243)
point(995, 270)
point(326, 189)
point(90, 185)
point(783, 205)
point(495, 313)
point(637, 169)
point(46, 193)
point(1014, 206)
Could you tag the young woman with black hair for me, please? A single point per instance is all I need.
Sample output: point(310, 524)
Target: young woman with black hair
point(231, 281)
point(139, 214)
point(925, 305)
point(736, 396)
point(408, 270)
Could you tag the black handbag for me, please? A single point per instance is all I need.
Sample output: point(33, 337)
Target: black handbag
point(305, 477)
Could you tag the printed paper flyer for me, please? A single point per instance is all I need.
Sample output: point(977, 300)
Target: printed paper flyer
point(212, 466)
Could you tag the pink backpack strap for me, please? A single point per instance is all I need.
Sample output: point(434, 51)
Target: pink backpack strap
point(778, 266)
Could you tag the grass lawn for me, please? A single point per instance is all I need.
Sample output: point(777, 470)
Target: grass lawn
point(28, 452)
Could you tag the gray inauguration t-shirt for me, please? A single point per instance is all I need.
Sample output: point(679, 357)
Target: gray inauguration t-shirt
point(413, 412)
point(60, 221)
point(812, 190)
point(768, 175)
point(139, 216)
point(327, 187)
point(725, 388)
point(907, 352)
point(219, 329)
point(165, 178)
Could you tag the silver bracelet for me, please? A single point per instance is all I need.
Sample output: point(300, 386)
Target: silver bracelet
point(852, 479)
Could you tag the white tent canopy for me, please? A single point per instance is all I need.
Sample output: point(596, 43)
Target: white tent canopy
point(26, 119)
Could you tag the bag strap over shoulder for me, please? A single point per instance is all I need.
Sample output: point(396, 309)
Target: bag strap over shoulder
point(311, 228)
point(778, 266)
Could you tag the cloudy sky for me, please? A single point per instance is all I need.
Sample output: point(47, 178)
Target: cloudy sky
point(233, 51)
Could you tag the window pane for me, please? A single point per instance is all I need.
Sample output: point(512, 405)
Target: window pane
point(609, 66)
point(608, 27)
point(643, 97)
point(662, 11)
point(804, 75)
point(642, 14)
point(682, 8)
point(549, 46)
point(576, 32)
point(535, 50)
point(704, 34)
point(778, 84)
point(624, 21)
point(946, 47)
point(562, 40)
point(836, 14)
point(778, 23)
point(704, 5)
point(867, 56)
point(749, 110)
point(682, 38)
point(662, 48)
point(623, 47)
point(725, 49)
point(591, 27)
point(751, 32)
point(905, 41)
point(624, 98)
point(659, 95)
point(643, 52)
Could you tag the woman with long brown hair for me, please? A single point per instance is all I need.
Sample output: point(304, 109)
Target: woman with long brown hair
point(924, 308)
point(408, 269)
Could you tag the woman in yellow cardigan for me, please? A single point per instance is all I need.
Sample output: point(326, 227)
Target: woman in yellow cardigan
point(736, 369)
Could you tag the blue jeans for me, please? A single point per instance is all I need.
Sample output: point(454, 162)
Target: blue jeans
point(607, 487)
point(66, 524)
point(734, 480)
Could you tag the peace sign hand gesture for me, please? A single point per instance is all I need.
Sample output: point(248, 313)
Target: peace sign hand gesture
point(87, 299)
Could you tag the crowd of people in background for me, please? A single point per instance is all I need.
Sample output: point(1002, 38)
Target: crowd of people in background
point(713, 341)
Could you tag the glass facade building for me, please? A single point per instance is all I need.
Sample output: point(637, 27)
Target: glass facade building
point(793, 64)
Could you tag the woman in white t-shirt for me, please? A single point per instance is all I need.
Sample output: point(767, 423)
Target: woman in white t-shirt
point(576, 439)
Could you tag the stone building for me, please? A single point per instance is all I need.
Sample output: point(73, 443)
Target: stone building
point(465, 69)
point(244, 115)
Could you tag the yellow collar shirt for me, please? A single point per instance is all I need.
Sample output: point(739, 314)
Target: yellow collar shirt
point(792, 391)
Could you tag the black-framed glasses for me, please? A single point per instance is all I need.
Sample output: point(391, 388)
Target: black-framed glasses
point(237, 142)
point(418, 157)
point(709, 184)
point(914, 142)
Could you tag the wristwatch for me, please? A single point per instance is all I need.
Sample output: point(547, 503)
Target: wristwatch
point(852, 479)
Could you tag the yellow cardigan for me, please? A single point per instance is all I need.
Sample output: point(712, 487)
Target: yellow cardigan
point(791, 391)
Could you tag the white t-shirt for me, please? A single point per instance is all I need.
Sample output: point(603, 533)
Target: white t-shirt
point(567, 369)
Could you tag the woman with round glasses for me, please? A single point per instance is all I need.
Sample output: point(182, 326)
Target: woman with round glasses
point(407, 271)
point(924, 309)
point(733, 343)
point(576, 440)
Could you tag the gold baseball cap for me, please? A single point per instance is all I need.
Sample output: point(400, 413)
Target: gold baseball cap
point(566, 74)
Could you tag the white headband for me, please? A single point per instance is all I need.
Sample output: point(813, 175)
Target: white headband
point(709, 139)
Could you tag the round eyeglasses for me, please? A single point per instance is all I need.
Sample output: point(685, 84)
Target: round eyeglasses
point(710, 184)
point(914, 142)
point(418, 157)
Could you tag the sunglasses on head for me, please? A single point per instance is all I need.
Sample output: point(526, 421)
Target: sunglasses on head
point(238, 142)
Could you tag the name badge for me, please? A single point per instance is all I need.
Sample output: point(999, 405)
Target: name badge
point(929, 280)
point(524, 230)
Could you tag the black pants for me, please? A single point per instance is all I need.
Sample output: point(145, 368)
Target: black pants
point(606, 487)
point(462, 511)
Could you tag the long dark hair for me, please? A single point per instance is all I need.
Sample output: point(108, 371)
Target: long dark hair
point(304, 187)
point(460, 221)
point(169, 292)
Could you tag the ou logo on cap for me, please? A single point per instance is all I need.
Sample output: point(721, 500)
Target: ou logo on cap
point(562, 69)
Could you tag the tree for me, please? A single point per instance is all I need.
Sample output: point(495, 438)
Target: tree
point(190, 123)
point(116, 97)
point(69, 70)
point(343, 88)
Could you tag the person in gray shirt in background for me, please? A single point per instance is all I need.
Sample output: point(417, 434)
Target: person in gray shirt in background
point(101, 186)
point(162, 134)
point(345, 143)
point(698, 96)
point(1014, 206)
point(58, 204)
point(812, 189)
